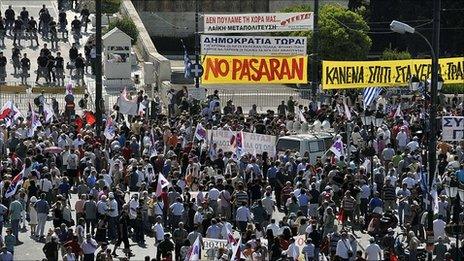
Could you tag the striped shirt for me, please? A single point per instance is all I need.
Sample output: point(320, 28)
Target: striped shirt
point(241, 196)
point(389, 193)
point(348, 203)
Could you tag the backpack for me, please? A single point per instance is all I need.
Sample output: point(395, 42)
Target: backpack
point(81, 103)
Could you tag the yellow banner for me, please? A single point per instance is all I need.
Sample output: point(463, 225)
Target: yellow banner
point(361, 74)
point(254, 70)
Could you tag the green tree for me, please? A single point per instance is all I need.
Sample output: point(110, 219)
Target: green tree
point(110, 6)
point(126, 25)
point(394, 54)
point(342, 33)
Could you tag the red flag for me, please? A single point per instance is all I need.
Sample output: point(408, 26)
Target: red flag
point(90, 117)
point(341, 216)
point(79, 123)
point(393, 257)
point(5, 113)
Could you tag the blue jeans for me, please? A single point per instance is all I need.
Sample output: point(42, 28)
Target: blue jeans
point(401, 207)
point(15, 227)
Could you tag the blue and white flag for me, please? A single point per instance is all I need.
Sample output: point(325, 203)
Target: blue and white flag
point(369, 95)
point(15, 184)
point(187, 62)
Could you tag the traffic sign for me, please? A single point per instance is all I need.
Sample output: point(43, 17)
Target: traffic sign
point(196, 70)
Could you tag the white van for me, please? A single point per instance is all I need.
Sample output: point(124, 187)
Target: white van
point(316, 143)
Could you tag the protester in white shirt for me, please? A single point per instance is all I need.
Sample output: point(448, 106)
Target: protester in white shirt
point(242, 217)
point(274, 227)
point(439, 228)
point(344, 247)
point(373, 251)
point(159, 230)
point(308, 250)
point(293, 250)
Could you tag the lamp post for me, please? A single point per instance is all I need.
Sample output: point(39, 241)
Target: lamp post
point(98, 68)
point(403, 28)
point(374, 121)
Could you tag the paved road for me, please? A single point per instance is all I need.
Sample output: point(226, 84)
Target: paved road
point(33, 6)
point(32, 250)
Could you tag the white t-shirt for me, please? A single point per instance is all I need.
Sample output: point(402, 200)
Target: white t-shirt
point(159, 231)
point(133, 204)
point(402, 139)
point(373, 252)
point(439, 228)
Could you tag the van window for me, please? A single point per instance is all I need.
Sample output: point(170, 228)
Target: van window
point(328, 143)
point(316, 146)
point(287, 144)
point(313, 146)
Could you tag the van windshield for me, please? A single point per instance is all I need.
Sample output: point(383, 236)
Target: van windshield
point(287, 144)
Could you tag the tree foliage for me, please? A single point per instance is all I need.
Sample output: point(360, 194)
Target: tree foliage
point(126, 25)
point(394, 54)
point(110, 6)
point(342, 33)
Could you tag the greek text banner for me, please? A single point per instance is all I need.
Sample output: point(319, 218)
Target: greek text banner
point(254, 69)
point(252, 45)
point(452, 128)
point(257, 23)
point(361, 74)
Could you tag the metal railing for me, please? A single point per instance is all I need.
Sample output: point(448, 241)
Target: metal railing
point(264, 99)
point(22, 100)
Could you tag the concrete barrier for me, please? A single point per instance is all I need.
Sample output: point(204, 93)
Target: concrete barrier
point(162, 66)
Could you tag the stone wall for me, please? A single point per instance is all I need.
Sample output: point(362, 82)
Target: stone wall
point(146, 46)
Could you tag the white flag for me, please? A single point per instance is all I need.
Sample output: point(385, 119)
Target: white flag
point(9, 113)
point(141, 109)
point(337, 148)
point(347, 111)
point(110, 130)
point(34, 123)
point(48, 112)
point(200, 132)
point(194, 253)
point(127, 106)
point(301, 116)
point(398, 112)
point(162, 183)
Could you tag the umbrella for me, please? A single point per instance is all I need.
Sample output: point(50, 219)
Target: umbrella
point(53, 149)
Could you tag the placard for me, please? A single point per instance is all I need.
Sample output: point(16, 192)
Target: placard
point(361, 74)
point(258, 23)
point(210, 243)
point(254, 70)
point(252, 45)
point(254, 143)
point(452, 128)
